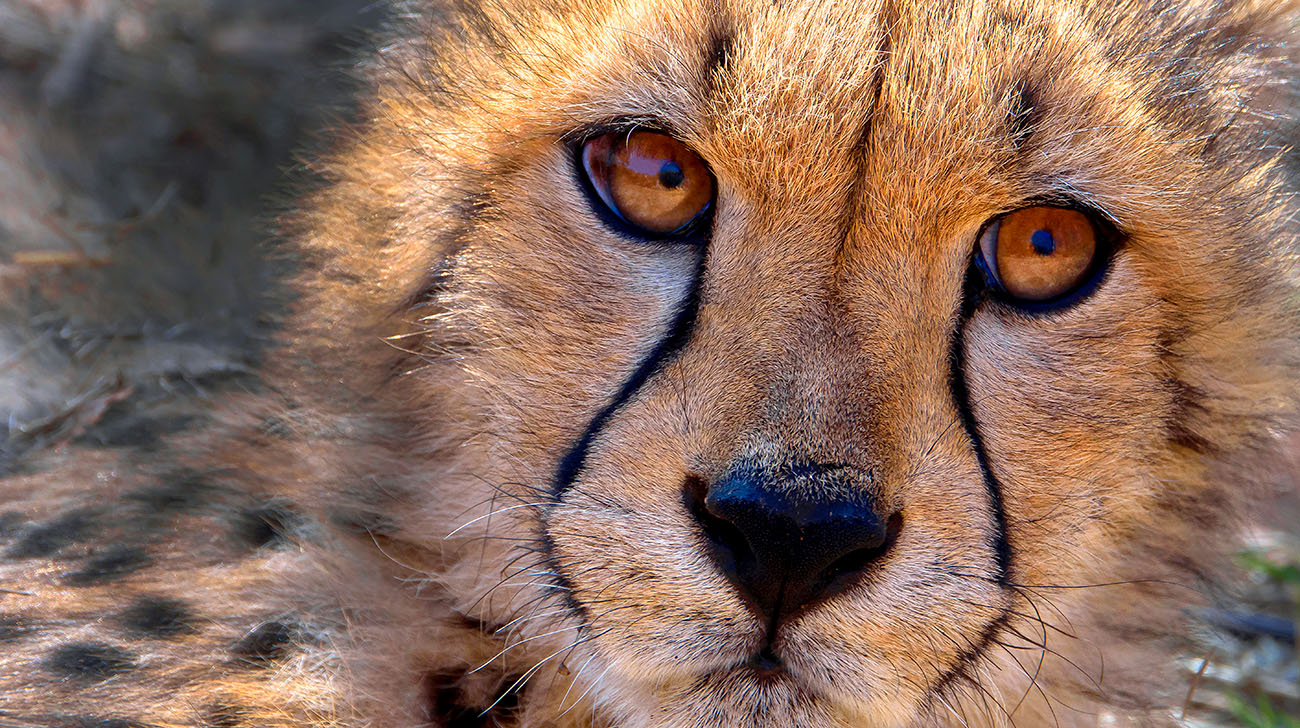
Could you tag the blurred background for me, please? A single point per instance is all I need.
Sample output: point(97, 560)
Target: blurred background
point(144, 148)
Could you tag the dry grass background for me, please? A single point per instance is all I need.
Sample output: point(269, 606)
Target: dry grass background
point(142, 143)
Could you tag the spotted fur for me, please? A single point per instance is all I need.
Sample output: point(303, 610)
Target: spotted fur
point(460, 501)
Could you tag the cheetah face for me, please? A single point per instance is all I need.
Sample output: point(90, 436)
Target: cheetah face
point(813, 360)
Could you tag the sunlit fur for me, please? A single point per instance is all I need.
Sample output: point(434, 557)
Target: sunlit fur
point(464, 314)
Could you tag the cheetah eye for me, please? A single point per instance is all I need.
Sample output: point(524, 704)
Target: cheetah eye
point(649, 181)
point(1039, 254)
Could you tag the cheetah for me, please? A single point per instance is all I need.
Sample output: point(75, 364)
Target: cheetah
point(715, 363)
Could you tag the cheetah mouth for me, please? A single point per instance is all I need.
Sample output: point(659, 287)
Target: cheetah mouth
point(764, 675)
point(765, 664)
point(772, 674)
point(758, 695)
point(752, 682)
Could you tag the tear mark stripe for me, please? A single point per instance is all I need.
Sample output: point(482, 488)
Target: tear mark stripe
point(961, 396)
point(679, 332)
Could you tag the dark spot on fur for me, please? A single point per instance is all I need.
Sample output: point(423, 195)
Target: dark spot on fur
point(1251, 625)
point(1183, 436)
point(488, 628)
point(53, 536)
point(268, 642)
point(450, 707)
point(13, 628)
point(1167, 343)
point(122, 426)
point(1186, 400)
point(276, 428)
point(366, 522)
point(339, 275)
point(265, 525)
point(428, 300)
point(181, 491)
point(86, 721)
point(107, 565)
point(1023, 115)
point(9, 523)
point(91, 661)
point(222, 716)
point(718, 51)
point(157, 617)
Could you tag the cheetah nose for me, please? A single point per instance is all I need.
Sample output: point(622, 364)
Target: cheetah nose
point(786, 545)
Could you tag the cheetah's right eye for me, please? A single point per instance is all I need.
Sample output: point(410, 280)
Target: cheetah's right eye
point(649, 181)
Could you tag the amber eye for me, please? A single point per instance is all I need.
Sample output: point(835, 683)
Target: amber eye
point(648, 180)
point(1040, 253)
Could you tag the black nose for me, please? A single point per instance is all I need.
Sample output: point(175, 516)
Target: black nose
point(790, 536)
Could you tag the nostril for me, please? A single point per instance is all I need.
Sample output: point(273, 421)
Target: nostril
point(731, 549)
point(854, 562)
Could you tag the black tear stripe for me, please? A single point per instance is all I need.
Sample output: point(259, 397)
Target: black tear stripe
point(570, 467)
point(961, 396)
point(679, 332)
point(961, 668)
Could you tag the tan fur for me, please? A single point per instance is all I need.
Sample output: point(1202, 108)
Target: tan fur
point(464, 315)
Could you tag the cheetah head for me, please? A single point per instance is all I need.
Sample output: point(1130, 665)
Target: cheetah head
point(820, 363)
